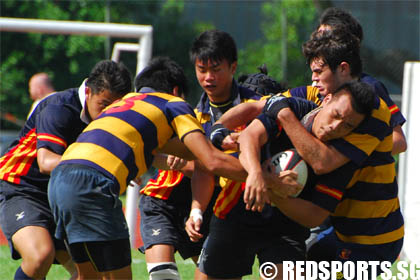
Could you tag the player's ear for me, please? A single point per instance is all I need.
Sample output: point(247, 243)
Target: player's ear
point(175, 91)
point(327, 99)
point(344, 68)
point(233, 67)
point(88, 92)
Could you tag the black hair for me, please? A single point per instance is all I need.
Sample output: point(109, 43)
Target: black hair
point(334, 47)
point(163, 75)
point(110, 75)
point(214, 45)
point(261, 83)
point(363, 96)
point(341, 19)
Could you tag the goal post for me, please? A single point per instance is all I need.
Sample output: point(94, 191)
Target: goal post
point(408, 178)
point(144, 53)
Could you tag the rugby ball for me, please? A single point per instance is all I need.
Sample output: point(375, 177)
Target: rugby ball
point(291, 160)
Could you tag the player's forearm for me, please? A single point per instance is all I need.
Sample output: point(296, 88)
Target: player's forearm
point(398, 140)
point(301, 211)
point(321, 157)
point(241, 114)
point(47, 160)
point(202, 187)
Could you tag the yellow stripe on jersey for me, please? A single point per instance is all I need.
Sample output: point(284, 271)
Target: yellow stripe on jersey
point(382, 113)
point(386, 145)
point(96, 154)
point(382, 174)
point(364, 142)
point(350, 208)
point(375, 239)
point(116, 126)
point(51, 138)
point(185, 124)
point(154, 114)
point(202, 117)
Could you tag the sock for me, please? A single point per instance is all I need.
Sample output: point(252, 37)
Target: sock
point(19, 274)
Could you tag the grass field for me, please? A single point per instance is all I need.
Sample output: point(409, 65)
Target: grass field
point(185, 267)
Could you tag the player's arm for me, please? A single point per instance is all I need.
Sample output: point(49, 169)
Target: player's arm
point(47, 160)
point(251, 141)
point(241, 114)
point(202, 187)
point(321, 157)
point(398, 140)
point(257, 183)
point(213, 160)
point(301, 211)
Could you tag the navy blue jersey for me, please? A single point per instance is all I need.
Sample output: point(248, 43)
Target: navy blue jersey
point(54, 125)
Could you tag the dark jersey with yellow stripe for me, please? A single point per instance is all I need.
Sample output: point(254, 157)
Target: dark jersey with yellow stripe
point(363, 194)
point(163, 183)
point(122, 141)
point(54, 124)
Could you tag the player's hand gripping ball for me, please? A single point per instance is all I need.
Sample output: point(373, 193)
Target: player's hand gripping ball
point(291, 160)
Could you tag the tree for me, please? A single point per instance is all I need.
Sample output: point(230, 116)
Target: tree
point(286, 25)
point(69, 58)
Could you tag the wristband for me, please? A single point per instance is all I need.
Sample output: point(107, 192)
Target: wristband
point(196, 214)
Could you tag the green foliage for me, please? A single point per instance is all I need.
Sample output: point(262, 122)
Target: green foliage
point(288, 22)
point(69, 59)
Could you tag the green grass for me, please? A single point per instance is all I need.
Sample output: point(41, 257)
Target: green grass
point(186, 267)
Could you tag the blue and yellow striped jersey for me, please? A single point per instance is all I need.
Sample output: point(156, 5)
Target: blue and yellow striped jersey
point(163, 183)
point(122, 141)
point(366, 210)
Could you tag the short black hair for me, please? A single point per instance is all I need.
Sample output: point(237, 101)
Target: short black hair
point(341, 19)
point(214, 45)
point(162, 74)
point(363, 96)
point(110, 75)
point(334, 47)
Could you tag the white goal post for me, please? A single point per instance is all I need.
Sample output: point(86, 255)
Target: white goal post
point(408, 169)
point(144, 53)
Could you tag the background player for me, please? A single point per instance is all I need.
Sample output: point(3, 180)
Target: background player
point(25, 216)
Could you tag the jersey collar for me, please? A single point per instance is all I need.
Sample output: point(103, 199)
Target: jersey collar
point(82, 98)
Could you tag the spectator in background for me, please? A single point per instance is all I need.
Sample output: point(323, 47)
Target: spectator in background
point(40, 85)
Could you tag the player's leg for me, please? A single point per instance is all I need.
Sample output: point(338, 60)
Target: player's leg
point(28, 224)
point(226, 253)
point(102, 259)
point(63, 257)
point(36, 247)
point(160, 236)
point(276, 248)
point(89, 215)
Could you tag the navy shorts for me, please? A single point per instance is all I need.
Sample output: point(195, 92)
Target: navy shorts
point(21, 207)
point(330, 248)
point(83, 205)
point(163, 221)
point(229, 251)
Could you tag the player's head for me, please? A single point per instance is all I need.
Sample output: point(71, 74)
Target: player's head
point(336, 18)
point(107, 82)
point(343, 110)
point(163, 75)
point(214, 56)
point(40, 85)
point(334, 58)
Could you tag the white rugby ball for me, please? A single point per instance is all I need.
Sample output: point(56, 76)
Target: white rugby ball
point(291, 160)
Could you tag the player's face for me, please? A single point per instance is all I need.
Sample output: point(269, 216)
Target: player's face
point(337, 118)
point(324, 27)
point(323, 78)
point(215, 78)
point(95, 103)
